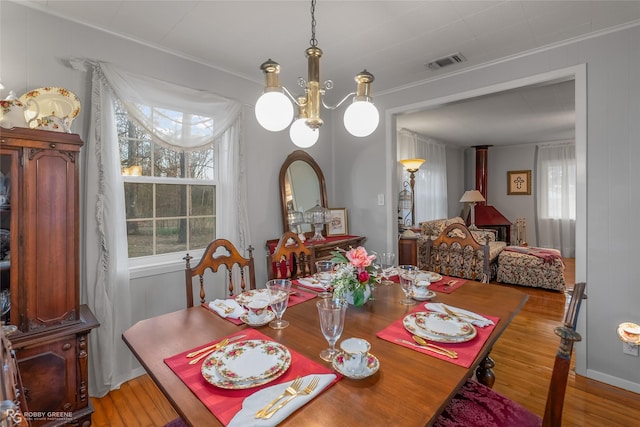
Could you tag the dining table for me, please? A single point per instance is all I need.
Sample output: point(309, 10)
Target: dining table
point(409, 388)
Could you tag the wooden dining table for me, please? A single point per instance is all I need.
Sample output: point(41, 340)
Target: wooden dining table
point(410, 388)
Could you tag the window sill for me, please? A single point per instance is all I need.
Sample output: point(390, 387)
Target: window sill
point(160, 264)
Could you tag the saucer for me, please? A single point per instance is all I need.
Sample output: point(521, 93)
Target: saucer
point(269, 317)
point(427, 297)
point(372, 367)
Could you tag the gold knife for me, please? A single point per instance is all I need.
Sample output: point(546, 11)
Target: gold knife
point(213, 346)
point(435, 350)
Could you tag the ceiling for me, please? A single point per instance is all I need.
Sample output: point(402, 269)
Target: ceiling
point(391, 39)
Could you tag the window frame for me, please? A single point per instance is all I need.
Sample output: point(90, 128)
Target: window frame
point(148, 265)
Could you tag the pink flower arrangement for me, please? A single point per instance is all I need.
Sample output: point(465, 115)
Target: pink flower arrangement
point(355, 271)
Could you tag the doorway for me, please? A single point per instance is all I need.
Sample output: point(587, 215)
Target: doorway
point(577, 74)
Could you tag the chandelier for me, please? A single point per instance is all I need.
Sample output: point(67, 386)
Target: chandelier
point(275, 107)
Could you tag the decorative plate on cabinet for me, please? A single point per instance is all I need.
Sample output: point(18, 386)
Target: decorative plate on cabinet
point(52, 101)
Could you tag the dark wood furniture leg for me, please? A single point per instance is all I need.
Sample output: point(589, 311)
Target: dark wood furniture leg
point(484, 372)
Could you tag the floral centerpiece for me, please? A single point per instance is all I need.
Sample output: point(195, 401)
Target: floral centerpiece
point(354, 274)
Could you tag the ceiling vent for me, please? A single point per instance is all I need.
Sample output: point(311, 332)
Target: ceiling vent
point(451, 59)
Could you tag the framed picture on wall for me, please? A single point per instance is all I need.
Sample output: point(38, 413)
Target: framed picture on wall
point(519, 183)
point(338, 224)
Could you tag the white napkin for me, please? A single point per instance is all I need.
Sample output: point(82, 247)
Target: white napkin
point(255, 402)
point(227, 308)
point(469, 316)
point(310, 282)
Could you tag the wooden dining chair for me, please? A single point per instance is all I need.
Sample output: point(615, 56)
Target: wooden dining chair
point(478, 405)
point(220, 252)
point(290, 259)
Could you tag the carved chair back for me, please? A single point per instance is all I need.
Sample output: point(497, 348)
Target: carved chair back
point(456, 253)
point(220, 252)
point(559, 375)
point(290, 259)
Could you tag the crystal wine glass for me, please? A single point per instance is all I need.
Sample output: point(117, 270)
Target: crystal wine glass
point(324, 274)
point(407, 275)
point(331, 312)
point(279, 298)
point(387, 261)
point(5, 306)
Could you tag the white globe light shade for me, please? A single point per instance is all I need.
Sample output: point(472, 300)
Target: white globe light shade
point(274, 111)
point(302, 135)
point(361, 118)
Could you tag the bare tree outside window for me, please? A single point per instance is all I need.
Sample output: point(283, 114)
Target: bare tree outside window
point(170, 195)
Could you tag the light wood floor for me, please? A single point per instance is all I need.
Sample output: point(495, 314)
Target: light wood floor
point(524, 358)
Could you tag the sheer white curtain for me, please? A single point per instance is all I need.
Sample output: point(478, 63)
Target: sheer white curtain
point(431, 180)
point(556, 197)
point(105, 255)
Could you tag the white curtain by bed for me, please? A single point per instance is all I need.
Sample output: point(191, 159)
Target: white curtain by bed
point(105, 255)
point(431, 180)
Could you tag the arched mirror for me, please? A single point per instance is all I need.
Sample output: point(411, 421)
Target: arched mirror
point(301, 186)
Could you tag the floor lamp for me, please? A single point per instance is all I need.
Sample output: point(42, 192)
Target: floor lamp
point(472, 197)
point(412, 166)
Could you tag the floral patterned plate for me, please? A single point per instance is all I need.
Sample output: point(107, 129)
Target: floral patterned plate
point(268, 318)
point(439, 327)
point(53, 101)
point(428, 275)
point(372, 367)
point(254, 294)
point(246, 364)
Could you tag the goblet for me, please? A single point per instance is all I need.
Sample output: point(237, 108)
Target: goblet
point(324, 274)
point(407, 275)
point(331, 312)
point(279, 298)
point(387, 261)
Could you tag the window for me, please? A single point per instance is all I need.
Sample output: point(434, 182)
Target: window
point(170, 195)
point(557, 175)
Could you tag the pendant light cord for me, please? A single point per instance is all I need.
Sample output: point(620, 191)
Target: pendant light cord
point(313, 42)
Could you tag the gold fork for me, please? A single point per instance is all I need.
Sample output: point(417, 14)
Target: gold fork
point(424, 343)
point(307, 390)
point(291, 390)
point(226, 308)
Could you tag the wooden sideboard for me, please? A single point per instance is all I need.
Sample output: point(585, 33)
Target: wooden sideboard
point(40, 213)
point(322, 250)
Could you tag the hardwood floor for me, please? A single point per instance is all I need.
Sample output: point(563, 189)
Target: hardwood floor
point(524, 358)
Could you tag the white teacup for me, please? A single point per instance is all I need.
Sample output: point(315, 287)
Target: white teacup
point(355, 354)
point(257, 310)
point(421, 288)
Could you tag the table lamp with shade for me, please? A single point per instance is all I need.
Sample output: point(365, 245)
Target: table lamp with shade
point(412, 166)
point(472, 197)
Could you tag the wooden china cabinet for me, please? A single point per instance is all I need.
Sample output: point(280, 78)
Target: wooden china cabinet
point(40, 268)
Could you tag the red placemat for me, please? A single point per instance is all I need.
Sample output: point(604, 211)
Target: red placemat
point(447, 284)
point(467, 351)
point(296, 297)
point(223, 403)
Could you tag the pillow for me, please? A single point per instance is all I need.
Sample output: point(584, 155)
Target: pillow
point(436, 226)
point(481, 235)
